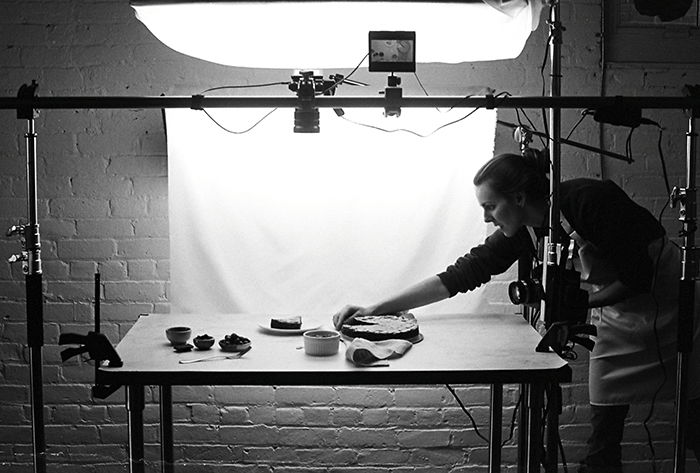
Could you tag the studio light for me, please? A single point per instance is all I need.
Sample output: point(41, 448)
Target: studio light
point(333, 34)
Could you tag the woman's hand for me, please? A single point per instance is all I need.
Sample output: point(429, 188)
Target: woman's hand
point(347, 313)
point(425, 292)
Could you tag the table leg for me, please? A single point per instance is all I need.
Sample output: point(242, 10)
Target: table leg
point(166, 429)
point(495, 426)
point(134, 406)
point(523, 426)
point(554, 409)
point(534, 434)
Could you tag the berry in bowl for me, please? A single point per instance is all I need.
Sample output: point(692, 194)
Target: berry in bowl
point(234, 342)
point(203, 342)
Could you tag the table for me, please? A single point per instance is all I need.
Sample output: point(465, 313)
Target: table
point(492, 349)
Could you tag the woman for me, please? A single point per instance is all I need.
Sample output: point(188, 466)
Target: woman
point(633, 273)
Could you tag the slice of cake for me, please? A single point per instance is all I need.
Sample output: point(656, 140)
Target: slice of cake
point(382, 327)
point(289, 323)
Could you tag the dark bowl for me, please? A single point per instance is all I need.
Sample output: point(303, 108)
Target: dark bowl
point(178, 335)
point(203, 343)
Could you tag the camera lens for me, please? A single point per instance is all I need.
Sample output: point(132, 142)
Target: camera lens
point(306, 120)
point(526, 291)
point(516, 292)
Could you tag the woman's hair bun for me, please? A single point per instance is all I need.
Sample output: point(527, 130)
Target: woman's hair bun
point(509, 173)
point(537, 159)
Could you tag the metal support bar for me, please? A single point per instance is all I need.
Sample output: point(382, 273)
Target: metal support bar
point(37, 403)
point(552, 420)
point(506, 102)
point(166, 429)
point(534, 442)
point(555, 165)
point(523, 427)
point(134, 406)
point(495, 426)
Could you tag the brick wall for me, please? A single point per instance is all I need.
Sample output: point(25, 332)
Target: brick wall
point(103, 205)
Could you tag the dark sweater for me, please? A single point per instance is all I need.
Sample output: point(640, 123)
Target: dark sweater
point(599, 211)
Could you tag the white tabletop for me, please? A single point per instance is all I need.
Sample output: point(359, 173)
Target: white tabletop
point(459, 348)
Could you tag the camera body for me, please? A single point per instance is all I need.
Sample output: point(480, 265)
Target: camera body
point(571, 304)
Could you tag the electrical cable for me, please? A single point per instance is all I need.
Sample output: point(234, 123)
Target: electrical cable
point(512, 421)
point(452, 106)
point(426, 92)
point(663, 164)
point(628, 145)
point(337, 83)
point(238, 132)
point(543, 425)
point(656, 340)
point(560, 445)
point(561, 452)
point(661, 363)
point(268, 84)
point(419, 135)
point(473, 422)
point(656, 305)
point(459, 401)
point(246, 86)
point(583, 116)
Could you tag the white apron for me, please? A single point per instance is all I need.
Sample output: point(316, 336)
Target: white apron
point(624, 365)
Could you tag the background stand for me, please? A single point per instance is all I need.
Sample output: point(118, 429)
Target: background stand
point(689, 267)
point(31, 265)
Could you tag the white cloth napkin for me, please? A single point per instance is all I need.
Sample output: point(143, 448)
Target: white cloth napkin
point(362, 352)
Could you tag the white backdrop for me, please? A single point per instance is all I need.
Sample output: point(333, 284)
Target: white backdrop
point(288, 223)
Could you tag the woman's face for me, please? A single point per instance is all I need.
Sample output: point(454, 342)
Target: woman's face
point(505, 212)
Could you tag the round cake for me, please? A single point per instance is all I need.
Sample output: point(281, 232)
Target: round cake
point(381, 327)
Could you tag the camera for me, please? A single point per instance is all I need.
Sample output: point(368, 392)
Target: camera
point(572, 305)
point(527, 291)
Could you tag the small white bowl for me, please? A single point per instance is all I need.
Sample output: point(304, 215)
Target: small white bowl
point(321, 342)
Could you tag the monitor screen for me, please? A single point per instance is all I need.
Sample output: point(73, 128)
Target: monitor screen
point(392, 51)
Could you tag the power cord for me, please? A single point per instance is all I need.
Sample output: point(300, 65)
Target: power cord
point(344, 78)
point(656, 338)
point(473, 422)
point(459, 401)
point(485, 90)
point(233, 132)
point(341, 114)
point(583, 116)
point(243, 86)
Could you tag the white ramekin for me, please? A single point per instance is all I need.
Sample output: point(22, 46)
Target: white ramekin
point(321, 342)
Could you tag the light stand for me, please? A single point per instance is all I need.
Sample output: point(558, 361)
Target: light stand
point(31, 266)
point(554, 286)
point(687, 200)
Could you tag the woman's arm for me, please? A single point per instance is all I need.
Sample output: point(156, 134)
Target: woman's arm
point(425, 292)
point(610, 294)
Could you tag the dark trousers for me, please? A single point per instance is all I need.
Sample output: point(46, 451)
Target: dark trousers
point(604, 451)
point(608, 422)
point(692, 439)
